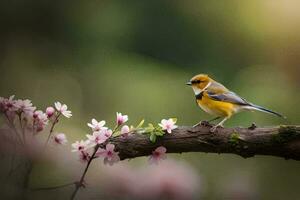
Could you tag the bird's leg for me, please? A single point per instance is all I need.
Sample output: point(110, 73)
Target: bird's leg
point(213, 129)
point(206, 123)
point(199, 123)
point(213, 119)
point(253, 126)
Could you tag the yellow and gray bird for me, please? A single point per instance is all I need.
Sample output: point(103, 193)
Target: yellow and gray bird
point(215, 99)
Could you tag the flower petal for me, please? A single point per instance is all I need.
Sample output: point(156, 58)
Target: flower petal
point(57, 105)
point(110, 147)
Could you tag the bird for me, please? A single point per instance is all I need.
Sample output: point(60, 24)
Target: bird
point(215, 99)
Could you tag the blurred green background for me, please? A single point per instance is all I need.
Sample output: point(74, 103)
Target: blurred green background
point(134, 57)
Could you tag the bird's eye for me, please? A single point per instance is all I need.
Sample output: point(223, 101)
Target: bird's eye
point(196, 81)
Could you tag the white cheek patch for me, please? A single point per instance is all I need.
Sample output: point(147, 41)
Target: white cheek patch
point(196, 90)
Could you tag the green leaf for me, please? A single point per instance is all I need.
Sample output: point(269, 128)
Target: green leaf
point(158, 128)
point(159, 133)
point(153, 137)
point(141, 124)
point(116, 134)
point(150, 125)
point(150, 128)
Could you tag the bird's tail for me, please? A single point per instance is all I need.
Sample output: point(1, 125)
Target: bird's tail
point(262, 109)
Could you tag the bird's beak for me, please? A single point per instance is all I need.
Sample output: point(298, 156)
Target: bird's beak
point(189, 83)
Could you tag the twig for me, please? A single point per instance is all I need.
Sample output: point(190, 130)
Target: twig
point(22, 128)
point(53, 187)
point(51, 130)
point(12, 126)
point(81, 181)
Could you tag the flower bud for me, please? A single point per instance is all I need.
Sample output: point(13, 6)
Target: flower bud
point(50, 111)
point(121, 119)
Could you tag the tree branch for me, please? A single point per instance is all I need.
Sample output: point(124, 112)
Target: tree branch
point(282, 141)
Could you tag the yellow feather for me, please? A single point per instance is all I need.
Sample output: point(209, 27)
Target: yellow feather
point(218, 108)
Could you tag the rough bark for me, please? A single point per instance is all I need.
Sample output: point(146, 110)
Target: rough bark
point(282, 141)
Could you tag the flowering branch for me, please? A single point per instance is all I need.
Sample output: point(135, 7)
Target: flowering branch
point(155, 141)
point(51, 130)
point(133, 142)
point(96, 126)
point(26, 122)
point(80, 183)
point(282, 141)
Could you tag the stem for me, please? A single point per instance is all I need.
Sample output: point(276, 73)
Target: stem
point(11, 125)
point(12, 161)
point(54, 187)
point(80, 183)
point(14, 169)
point(26, 182)
point(51, 130)
point(27, 176)
point(22, 128)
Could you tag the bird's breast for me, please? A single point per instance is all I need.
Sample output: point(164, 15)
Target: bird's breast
point(218, 108)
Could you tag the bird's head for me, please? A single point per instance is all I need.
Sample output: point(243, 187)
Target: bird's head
point(199, 82)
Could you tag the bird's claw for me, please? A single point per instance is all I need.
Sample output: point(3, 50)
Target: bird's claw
point(252, 127)
point(214, 128)
point(202, 123)
point(205, 123)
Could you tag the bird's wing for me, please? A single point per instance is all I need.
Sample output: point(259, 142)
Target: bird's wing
point(229, 96)
point(217, 87)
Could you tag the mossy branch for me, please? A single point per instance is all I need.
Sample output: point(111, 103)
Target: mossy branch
point(282, 141)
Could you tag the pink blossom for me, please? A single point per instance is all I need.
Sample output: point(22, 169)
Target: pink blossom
point(11, 98)
point(40, 115)
point(97, 126)
point(7, 104)
point(168, 125)
point(121, 119)
point(60, 138)
point(3, 107)
point(63, 109)
point(36, 114)
point(107, 133)
point(99, 137)
point(157, 155)
point(24, 106)
point(125, 131)
point(109, 154)
point(80, 145)
point(50, 111)
point(84, 156)
point(40, 120)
